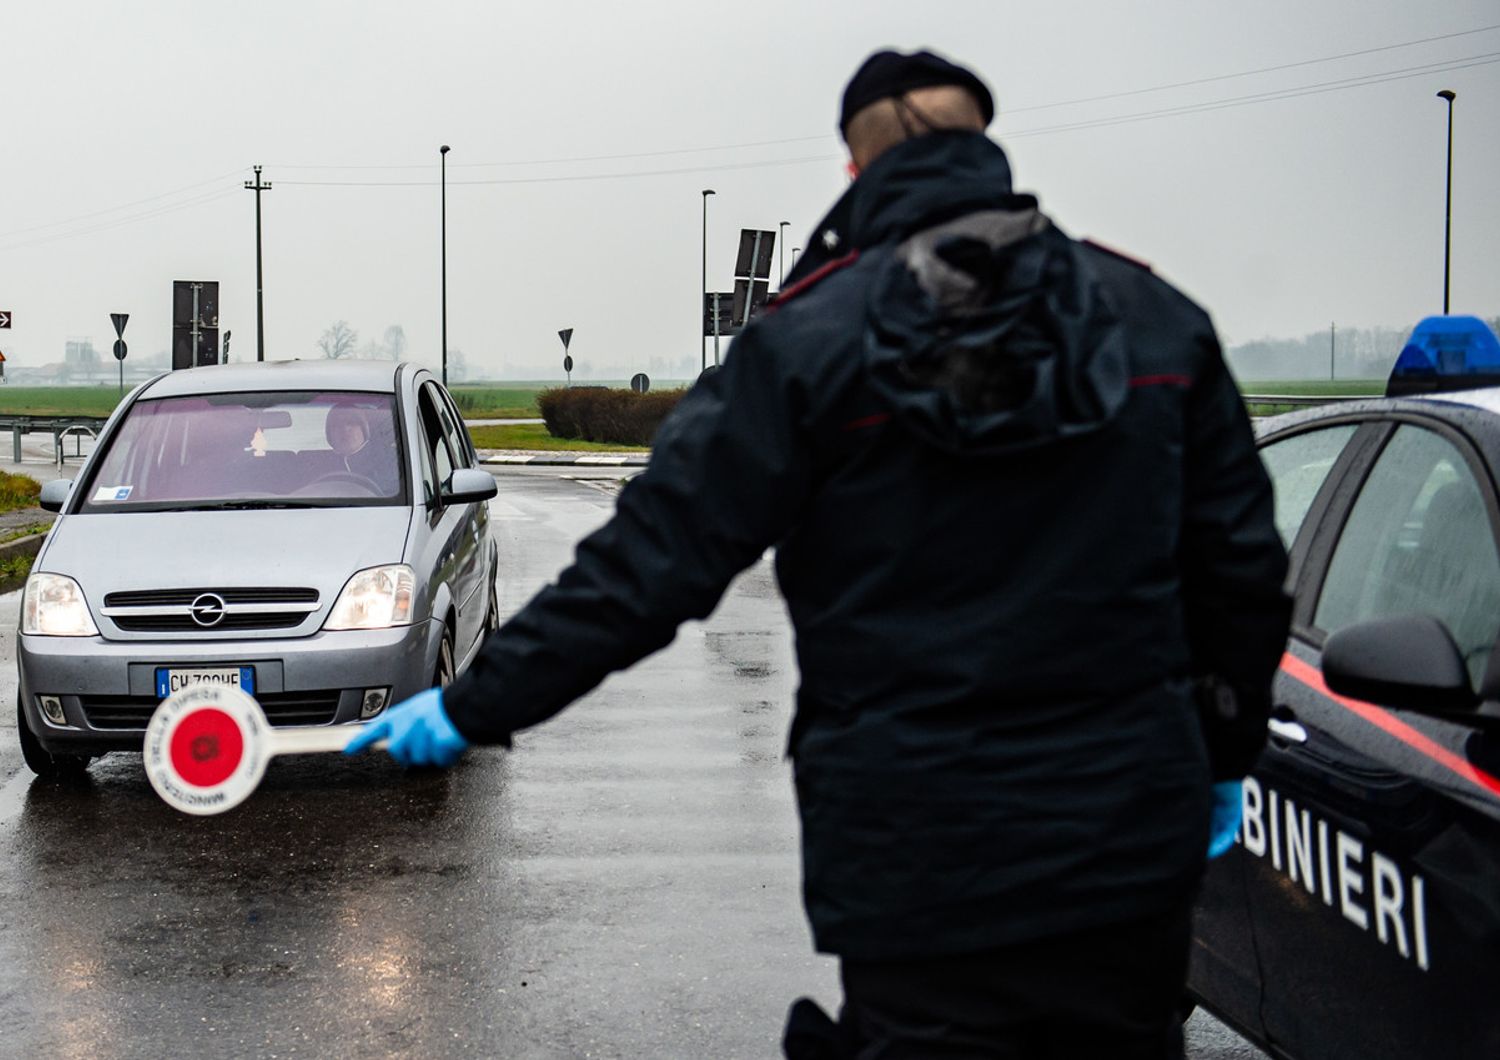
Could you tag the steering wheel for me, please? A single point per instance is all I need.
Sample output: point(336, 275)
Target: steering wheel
point(353, 478)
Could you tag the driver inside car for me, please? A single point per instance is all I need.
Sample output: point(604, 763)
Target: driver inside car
point(349, 435)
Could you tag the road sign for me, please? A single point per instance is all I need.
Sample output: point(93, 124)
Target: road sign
point(748, 301)
point(567, 363)
point(566, 334)
point(719, 305)
point(195, 323)
point(754, 258)
point(4, 318)
point(118, 320)
point(119, 349)
point(640, 382)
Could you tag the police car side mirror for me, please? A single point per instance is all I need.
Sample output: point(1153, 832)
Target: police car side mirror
point(1410, 662)
point(54, 494)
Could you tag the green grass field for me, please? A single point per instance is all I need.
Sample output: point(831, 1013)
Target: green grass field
point(58, 400)
point(535, 436)
point(1315, 387)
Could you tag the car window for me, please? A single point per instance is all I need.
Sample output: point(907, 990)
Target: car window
point(254, 448)
point(1418, 541)
point(1298, 465)
point(458, 439)
point(435, 441)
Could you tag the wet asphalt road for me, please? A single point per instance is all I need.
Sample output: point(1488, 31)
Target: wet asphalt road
point(623, 884)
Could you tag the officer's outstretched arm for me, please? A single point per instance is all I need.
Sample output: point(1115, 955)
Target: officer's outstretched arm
point(727, 477)
point(1233, 567)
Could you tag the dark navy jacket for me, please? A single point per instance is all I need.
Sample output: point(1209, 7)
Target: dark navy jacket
point(1019, 518)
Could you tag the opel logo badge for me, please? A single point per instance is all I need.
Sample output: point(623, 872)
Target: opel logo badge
point(208, 609)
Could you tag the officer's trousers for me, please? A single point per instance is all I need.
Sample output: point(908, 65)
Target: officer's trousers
point(1114, 993)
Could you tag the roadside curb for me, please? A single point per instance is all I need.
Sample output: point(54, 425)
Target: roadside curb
point(21, 546)
point(568, 459)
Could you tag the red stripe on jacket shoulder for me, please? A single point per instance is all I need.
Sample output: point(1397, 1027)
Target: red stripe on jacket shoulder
point(1161, 380)
point(816, 276)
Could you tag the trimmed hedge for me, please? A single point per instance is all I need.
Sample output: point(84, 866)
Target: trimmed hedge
point(603, 414)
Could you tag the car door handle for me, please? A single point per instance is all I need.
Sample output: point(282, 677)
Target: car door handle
point(1289, 731)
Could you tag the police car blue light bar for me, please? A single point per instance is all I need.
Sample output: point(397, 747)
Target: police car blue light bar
point(1446, 353)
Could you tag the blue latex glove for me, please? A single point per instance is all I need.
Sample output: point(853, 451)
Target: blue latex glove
point(1224, 821)
point(419, 732)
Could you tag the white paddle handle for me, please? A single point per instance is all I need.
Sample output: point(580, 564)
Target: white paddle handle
point(315, 740)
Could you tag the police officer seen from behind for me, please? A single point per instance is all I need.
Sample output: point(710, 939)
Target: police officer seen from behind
point(1027, 547)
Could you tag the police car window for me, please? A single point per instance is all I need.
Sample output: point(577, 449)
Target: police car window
point(1298, 466)
point(1418, 542)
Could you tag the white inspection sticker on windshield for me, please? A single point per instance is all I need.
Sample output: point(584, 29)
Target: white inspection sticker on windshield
point(112, 493)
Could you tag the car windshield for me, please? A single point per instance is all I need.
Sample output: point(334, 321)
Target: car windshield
point(286, 449)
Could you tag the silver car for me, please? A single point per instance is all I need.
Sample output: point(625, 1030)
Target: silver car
point(313, 532)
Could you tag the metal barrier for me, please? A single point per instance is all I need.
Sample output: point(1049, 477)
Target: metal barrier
point(56, 426)
point(63, 434)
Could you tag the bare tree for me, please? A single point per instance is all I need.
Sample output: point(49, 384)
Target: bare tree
point(395, 342)
point(338, 341)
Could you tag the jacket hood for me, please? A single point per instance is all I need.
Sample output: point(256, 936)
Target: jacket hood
point(986, 329)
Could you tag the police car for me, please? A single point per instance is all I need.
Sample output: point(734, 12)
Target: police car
point(1359, 913)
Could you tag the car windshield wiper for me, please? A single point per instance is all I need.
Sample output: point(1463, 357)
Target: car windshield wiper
point(247, 505)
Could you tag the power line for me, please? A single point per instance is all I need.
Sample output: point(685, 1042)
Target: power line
point(583, 158)
point(122, 206)
point(1265, 97)
point(160, 211)
point(562, 179)
point(1248, 73)
point(1008, 111)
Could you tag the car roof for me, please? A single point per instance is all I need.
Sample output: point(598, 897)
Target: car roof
point(373, 376)
point(1485, 399)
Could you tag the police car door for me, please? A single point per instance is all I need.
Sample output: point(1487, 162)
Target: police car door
point(1225, 973)
point(1371, 840)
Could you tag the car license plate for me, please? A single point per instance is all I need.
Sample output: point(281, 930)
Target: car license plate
point(172, 679)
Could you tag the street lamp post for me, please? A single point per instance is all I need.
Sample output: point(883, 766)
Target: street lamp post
point(443, 162)
point(795, 252)
point(703, 332)
point(1448, 94)
point(781, 252)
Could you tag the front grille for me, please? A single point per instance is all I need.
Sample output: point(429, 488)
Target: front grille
point(282, 709)
point(184, 597)
point(170, 610)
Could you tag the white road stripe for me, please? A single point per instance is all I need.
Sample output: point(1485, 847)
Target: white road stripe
point(13, 794)
point(616, 460)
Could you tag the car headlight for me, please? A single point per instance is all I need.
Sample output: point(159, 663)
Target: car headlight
point(375, 599)
point(53, 606)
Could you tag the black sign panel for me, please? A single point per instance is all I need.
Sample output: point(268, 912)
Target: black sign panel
point(754, 260)
point(4, 318)
point(725, 304)
point(119, 349)
point(184, 355)
point(566, 334)
point(640, 382)
point(118, 320)
point(748, 302)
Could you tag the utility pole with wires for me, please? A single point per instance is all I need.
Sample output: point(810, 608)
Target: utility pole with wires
point(260, 284)
point(1332, 331)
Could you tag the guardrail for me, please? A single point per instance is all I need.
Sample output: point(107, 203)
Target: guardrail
point(1303, 399)
point(57, 426)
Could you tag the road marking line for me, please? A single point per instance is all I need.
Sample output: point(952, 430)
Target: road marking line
point(617, 460)
point(13, 795)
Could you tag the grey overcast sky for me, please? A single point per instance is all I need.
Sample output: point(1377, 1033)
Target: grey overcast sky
point(1248, 150)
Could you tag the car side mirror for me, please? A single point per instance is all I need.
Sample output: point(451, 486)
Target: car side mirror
point(54, 494)
point(468, 484)
point(1410, 662)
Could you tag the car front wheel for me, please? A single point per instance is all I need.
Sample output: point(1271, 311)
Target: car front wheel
point(443, 676)
point(42, 762)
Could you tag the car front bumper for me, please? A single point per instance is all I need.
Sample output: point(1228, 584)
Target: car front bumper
point(107, 689)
